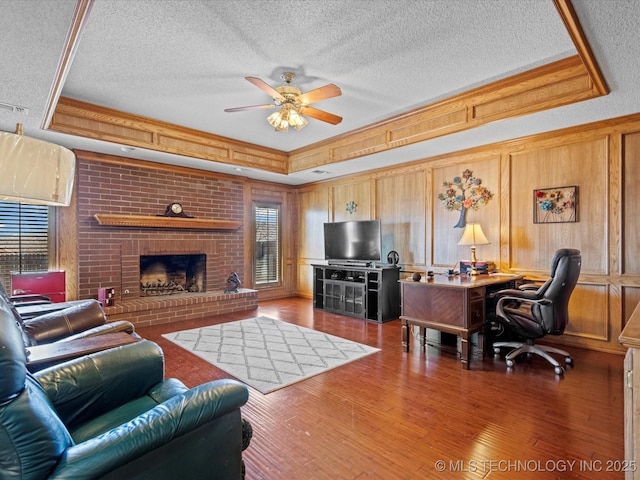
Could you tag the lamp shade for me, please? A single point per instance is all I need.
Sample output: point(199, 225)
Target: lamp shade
point(34, 171)
point(473, 235)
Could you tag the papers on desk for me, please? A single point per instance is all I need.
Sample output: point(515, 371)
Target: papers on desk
point(498, 274)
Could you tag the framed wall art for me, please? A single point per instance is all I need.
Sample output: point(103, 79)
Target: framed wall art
point(555, 205)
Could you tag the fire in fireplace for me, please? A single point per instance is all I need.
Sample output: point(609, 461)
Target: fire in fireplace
point(172, 274)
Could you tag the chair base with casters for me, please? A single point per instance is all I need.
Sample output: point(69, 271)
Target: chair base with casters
point(529, 348)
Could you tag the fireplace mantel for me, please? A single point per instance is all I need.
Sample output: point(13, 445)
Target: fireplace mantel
point(142, 221)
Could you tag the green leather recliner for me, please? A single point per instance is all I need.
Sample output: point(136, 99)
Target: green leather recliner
point(113, 415)
point(79, 319)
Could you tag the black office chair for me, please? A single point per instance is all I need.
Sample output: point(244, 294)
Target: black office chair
point(532, 312)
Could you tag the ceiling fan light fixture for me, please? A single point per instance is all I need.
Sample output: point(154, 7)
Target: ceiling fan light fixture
point(277, 121)
point(297, 121)
point(293, 103)
point(286, 117)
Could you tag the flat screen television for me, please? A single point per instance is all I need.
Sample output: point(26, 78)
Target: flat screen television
point(353, 242)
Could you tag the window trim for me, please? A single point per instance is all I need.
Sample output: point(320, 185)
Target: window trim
point(273, 283)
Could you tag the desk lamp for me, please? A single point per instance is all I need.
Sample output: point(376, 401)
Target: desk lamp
point(473, 235)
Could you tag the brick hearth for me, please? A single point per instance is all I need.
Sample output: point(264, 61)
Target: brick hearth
point(147, 311)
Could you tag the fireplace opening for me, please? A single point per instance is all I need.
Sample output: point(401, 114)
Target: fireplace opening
point(172, 274)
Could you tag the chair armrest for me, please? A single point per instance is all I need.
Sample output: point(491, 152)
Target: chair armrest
point(514, 294)
point(88, 386)
point(68, 321)
point(519, 299)
point(529, 286)
point(110, 327)
point(174, 418)
point(32, 298)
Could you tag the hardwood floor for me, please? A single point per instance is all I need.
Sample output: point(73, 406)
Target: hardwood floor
point(418, 415)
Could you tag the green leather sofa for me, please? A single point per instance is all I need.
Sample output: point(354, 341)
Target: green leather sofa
point(113, 415)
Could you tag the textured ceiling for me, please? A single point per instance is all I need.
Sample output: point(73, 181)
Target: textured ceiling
point(185, 61)
point(186, 64)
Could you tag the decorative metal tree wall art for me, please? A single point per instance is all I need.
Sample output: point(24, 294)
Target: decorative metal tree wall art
point(555, 205)
point(464, 193)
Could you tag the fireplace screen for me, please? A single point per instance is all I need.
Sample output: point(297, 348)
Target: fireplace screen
point(172, 274)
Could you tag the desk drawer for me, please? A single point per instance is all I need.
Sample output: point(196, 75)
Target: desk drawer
point(476, 294)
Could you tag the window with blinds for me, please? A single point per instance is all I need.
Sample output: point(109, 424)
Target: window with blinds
point(267, 244)
point(24, 239)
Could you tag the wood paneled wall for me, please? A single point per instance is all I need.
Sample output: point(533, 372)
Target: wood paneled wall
point(599, 159)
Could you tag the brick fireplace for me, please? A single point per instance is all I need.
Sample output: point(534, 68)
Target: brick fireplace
point(172, 274)
point(109, 256)
point(197, 258)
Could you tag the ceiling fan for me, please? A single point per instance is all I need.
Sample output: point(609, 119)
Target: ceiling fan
point(294, 104)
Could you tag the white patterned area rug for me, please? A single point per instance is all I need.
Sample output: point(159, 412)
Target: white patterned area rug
point(269, 354)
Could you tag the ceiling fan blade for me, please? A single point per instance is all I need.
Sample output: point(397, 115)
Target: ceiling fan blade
point(250, 107)
point(320, 115)
point(262, 85)
point(328, 91)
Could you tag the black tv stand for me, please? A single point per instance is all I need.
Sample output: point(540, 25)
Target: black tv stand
point(357, 290)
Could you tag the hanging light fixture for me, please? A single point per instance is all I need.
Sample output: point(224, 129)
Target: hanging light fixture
point(293, 104)
point(35, 171)
point(287, 116)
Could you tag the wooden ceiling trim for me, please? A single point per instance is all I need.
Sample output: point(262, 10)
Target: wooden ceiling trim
point(315, 159)
point(566, 91)
point(360, 147)
point(549, 86)
point(261, 162)
point(422, 130)
point(150, 165)
point(574, 29)
point(68, 122)
point(80, 19)
point(93, 121)
point(185, 147)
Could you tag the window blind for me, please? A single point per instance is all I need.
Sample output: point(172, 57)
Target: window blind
point(24, 239)
point(267, 244)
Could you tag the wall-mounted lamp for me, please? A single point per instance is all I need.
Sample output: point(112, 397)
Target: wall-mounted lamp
point(473, 235)
point(35, 171)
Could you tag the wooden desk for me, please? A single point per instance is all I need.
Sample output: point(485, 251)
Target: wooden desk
point(451, 304)
point(42, 356)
